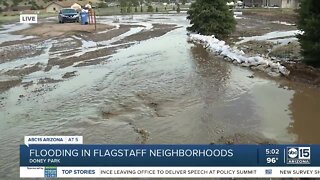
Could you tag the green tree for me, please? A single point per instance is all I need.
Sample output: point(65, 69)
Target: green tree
point(309, 23)
point(5, 4)
point(134, 3)
point(129, 9)
point(178, 8)
point(211, 17)
point(34, 5)
point(135, 9)
point(122, 10)
point(184, 2)
point(102, 5)
point(150, 9)
point(157, 9)
point(123, 3)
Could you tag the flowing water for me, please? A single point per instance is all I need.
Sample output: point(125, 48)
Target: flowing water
point(162, 90)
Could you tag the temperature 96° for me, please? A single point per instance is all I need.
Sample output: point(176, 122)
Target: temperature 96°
point(272, 160)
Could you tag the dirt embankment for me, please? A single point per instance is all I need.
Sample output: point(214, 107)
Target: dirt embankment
point(47, 30)
point(303, 73)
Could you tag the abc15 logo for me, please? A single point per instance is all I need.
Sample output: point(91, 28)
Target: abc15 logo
point(303, 153)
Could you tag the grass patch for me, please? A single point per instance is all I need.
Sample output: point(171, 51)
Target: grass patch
point(273, 14)
point(257, 47)
point(6, 19)
point(290, 51)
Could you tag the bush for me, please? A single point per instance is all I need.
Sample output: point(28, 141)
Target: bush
point(178, 9)
point(102, 5)
point(157, 9)
point(34, 6)
point(135, 9)
point(129, 9)
point(150, 9)
point(309, 23)
point(211, 17)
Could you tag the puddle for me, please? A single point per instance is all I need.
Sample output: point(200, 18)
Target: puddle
point(14, 27)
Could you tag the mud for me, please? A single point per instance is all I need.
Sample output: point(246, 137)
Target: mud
point(24, 70)
point(11, 52)
point(303, 73)
point(157, 31)
point(111, 33)
point(46, 30)
point(92, 62)
point(48, 80)
point(7, 83)
point(21, 42)
point(65, 43)
point(244, 139)
point(69, 75)
point(65, 62)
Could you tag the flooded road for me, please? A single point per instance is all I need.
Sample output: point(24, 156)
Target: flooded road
point(157, 90)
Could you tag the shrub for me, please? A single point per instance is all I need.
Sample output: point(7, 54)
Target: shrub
point(178, 9)
point(150, 9)
point(211, 17)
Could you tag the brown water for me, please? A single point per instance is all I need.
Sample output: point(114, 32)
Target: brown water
point(163, 90)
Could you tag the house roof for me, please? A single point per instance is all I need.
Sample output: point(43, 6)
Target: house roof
point(65, 4)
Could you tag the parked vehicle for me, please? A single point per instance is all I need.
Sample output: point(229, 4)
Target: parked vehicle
point(68, 15)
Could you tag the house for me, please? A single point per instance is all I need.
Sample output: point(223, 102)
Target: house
point(272, 3)
point(283, 3)
point(253, 3)
point(58, 5)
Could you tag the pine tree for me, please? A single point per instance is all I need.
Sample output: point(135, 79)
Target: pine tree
point(309, 24)
point(211, 17)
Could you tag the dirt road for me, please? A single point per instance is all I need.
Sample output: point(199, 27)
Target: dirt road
point(140, 81)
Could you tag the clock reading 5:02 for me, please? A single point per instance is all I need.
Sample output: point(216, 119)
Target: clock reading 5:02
point(272, 152)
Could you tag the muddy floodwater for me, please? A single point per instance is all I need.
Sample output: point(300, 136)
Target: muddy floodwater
point(145, 89)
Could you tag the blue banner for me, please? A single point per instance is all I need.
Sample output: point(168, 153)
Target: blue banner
point(170, 155)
